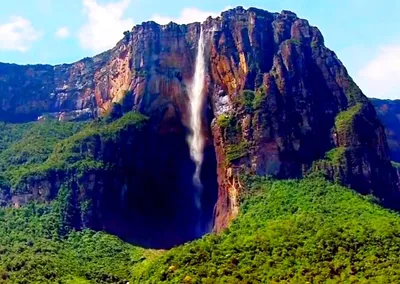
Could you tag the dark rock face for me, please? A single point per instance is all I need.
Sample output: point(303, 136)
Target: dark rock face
point(389, 113)
point(277, 102)
point(149, 198)
point(25, 91)
point(124, 181)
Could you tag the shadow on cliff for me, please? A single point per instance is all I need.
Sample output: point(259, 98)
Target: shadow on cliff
point(150, 199)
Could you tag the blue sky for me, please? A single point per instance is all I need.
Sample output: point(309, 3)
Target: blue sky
point(364, 33)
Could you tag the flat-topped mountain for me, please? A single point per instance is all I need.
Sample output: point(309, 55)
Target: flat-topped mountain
point(277, 102)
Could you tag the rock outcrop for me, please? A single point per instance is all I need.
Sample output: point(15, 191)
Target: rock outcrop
point(278, 101)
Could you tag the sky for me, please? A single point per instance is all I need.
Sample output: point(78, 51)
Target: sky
point(365, 34)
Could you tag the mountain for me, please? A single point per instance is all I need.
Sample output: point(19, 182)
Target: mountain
point(389, 113)
point(100, 147)
point(278, 103)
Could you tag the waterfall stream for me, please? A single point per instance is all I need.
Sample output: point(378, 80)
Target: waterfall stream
point(196, 102)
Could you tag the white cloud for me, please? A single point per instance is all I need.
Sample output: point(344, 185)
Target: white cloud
point(18, 34)
point(62, 33)
point(380, 76)
point(187, 15)
point(105, 24)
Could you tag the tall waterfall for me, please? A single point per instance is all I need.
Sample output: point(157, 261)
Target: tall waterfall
point(195, 138)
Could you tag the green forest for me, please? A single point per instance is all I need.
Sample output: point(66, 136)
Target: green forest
point(288, 231)
point(291, 231)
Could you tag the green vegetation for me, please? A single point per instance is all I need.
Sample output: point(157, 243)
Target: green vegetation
point(354, 93)
point(230, 126)
point(10, 133)
point(36, 143)
point(30, 144)
point(259, 98)
point(224, 120)
point(344, 120)
point(80, 153)
point(46, 148)
point(118, 109)
point(141, 72)
point(246, 99)
point(396, 165)
point(294, 41)
point(237, 151)
point(38, 243)
point(332, 166)
point(293, 231)
point(33, 250)
point(287, 231)
point(336, 155)
point(252, 100)
point(308, 231)
point(314, 44)
point(114, 113)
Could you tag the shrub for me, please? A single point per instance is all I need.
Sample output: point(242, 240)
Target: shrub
point(237, 151)
point(396, 165)
point(224, 121)
point(247, 98)
point(336, 155)
point(294, 41)
point(259, 98)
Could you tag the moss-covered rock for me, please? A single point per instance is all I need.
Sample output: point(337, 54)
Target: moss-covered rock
point(344, 123)
point(336, 155)
point(224, 120)
point(260, 98)
point(237, 151)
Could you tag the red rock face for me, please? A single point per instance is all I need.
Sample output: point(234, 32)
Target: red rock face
point(280, 128)
point(288, 123)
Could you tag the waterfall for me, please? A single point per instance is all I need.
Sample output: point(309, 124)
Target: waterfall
point(195, 138)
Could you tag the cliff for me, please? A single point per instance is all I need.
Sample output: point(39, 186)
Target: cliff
point(277, 102)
